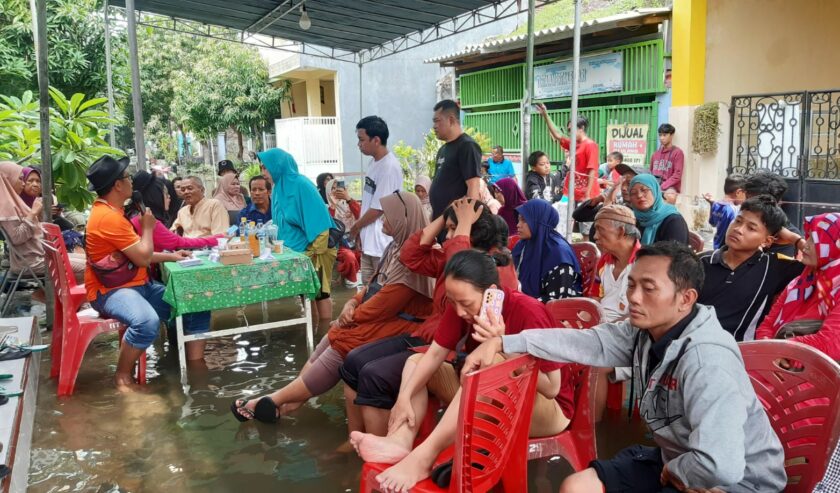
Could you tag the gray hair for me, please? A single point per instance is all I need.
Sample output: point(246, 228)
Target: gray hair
point(196, 180)
point(628, 229)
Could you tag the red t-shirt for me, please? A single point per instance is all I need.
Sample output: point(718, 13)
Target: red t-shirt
point(520, 312)
point(586, 160)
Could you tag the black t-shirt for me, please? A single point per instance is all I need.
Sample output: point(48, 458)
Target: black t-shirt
point(673, 228)
point(456, 162)
point(742, 297)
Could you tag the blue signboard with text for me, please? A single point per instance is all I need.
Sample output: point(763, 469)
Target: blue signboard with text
point(598, 73)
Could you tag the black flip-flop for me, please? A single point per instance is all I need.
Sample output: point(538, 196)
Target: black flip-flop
point(10, 352)
point(234, 408)
point(4, 471)
point(265, 410)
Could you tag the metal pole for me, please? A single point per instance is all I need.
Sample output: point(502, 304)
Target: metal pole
point(574, 117)
point(112, 139)
point(39, 25)
point(528, 100)
point(139, 141)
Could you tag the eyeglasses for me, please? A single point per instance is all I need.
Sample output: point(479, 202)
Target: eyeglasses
point(640, 192)
point(127, 177)
point(405, 207)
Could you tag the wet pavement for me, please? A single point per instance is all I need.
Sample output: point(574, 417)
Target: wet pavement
point(183, 439)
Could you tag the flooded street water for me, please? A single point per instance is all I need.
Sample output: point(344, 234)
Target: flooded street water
point(170, 438)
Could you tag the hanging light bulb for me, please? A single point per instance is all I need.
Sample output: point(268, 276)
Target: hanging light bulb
point(305, 23)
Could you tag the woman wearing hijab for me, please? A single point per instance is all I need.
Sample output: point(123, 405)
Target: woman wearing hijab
point(31, 192)
point(321, 182)
point(230, 195)
point(302, 220)
point(347, 210)
point(547, 266)
point(813, 298)
point(396, 301)
point(511, 197)
point(658, 220)
point(421, 189)
point(21, 225)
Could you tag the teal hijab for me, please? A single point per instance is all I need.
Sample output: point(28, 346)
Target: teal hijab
point(651, 219)
point(296, 206)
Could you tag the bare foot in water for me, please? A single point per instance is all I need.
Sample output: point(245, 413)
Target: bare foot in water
point(406, 473)
point(125, 384)
point(383, 450)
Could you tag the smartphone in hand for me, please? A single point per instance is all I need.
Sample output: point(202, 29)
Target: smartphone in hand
point(493, 302)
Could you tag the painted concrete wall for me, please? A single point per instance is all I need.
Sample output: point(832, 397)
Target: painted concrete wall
point(399, 88)
point(760, 46)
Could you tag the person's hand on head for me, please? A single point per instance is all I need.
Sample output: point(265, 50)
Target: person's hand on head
point(466, 212)
point(488, 326)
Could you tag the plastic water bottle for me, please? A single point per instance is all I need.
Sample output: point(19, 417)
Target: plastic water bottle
point(261, 235)
point(243, 225)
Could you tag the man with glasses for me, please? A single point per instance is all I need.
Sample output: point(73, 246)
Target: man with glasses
point(110, 238)
point(200, 216)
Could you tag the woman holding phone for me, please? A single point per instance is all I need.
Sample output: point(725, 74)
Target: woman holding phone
point(469, 276)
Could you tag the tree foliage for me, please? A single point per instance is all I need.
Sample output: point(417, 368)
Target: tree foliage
point(76, 38)
point(77, 139)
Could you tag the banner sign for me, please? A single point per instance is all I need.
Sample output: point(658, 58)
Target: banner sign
point(598, 73)
point(630, 140)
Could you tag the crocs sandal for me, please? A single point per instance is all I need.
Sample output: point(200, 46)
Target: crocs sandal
point(12, 352)
point(266, 410)
point(235, 408)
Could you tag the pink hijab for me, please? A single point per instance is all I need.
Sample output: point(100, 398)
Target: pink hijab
point(12, 206)
point(232, 202)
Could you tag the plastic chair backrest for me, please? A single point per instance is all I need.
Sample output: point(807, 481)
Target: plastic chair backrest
point(801, 404)
point(58, 264)
point(495, 416)
point(696, 242)
point(588, 256)
point(575, 313)
point(512, 241)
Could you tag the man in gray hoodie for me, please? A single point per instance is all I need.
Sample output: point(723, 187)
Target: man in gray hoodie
point(711, 431)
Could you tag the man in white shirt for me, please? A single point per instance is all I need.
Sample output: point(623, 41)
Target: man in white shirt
point(384, 176)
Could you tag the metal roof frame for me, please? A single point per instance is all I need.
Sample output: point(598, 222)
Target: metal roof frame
point(341, 30)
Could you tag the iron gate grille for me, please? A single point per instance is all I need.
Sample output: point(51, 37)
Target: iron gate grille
point(793, 134)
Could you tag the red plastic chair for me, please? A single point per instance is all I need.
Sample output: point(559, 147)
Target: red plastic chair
point(808, 431)
point(491, 440)
point(577, 443)
point(512, 241)
point(588, 256)
point(696, 242)
point(72, 334)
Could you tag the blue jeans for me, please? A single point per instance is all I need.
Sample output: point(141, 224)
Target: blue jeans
point(140, 308)
point(196, 323)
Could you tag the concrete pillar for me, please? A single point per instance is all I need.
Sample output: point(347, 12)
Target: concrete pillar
point(313, 97)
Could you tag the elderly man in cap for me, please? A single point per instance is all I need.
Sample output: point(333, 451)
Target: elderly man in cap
point(116, 278)
point(617, 237)
point(199, 217)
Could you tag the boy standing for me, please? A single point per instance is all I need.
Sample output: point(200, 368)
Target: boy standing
point(539, 184)
point(724, 211)
point(667, 161)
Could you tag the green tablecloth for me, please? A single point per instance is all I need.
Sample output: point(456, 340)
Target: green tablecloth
point(213, 286)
